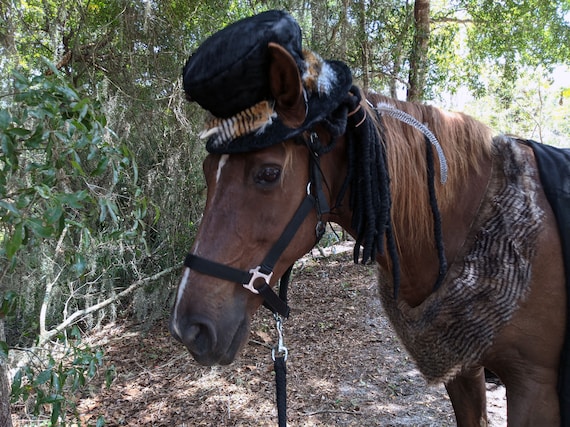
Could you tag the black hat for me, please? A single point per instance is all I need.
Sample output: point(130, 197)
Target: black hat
point(258, 84)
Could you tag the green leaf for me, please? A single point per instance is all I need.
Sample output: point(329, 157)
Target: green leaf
point(43, 191)
point(43, 377)
point(56, 410)
point(79, 265)
point(50, 65)
point(15, 241)
point(18, 132)
point(5, 119)
point(35, 141)
point(70, 93)
point(103, 210)
point(8, 304)
point(101, 166)
point(77, 166)
point(57, 381)
point(9, 151)
point(4, 349)
point(53, 214)
point(10, 208)
point(37, 227)
point(100, 421)
point(74, 200)
point(109, 376)
point(75, 332)
point(82, 106)
point(61, 136)
point(53, 398)
point(16, 385)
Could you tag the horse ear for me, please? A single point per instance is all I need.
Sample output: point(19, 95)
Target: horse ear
point(286, 86)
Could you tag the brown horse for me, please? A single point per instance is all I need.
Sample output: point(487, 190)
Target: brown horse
point(499, 304)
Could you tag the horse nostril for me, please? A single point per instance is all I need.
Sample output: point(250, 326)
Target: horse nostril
point(198, 336)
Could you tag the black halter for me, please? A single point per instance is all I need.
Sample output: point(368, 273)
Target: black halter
point(316, 199)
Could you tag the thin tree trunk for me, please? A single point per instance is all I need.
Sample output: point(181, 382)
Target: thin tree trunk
point(318, 28)
point(364, 44)
point(5, 415)
point(398, 55)
point(344, 30)
point(418, 55)
point(7, 40)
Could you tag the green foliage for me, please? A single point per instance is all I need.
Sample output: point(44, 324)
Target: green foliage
point(56, 149)
point(56, 382)
point(506, 36)
point(8, 304)
point(532, 106)
point(70, 204)
point(528, 33)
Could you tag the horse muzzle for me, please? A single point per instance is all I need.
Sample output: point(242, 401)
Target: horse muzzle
point(210, 344)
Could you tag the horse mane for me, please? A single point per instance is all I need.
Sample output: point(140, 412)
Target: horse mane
point(465, 142)
point(387, 171)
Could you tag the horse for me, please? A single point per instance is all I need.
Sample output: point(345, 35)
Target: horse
point(470, 265)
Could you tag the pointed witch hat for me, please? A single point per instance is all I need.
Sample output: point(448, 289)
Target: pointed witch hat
point(258, 84)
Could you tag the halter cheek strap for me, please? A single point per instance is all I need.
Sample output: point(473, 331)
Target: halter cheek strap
point(261, 275)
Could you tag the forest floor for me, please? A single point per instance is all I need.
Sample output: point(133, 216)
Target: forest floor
point(346, 367)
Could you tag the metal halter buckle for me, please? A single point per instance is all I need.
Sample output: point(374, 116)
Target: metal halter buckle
point(256, 274)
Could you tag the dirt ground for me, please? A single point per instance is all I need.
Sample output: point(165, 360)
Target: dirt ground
point(346, 367)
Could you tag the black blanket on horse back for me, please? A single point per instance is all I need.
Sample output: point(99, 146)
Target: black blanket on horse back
point(554, 170)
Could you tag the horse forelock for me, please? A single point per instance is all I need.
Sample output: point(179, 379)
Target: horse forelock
point(466, 143)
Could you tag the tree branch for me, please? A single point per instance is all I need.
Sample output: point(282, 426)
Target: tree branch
point(446, 19)
point(80, 314)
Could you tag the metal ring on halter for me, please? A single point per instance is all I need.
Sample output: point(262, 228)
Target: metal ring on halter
point(256, 274)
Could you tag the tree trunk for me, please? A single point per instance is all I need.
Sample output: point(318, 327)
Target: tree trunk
point(5, 415)
point(362, 37)
point(345, 34)
point(7, 40)
point(418, 55)
point(318, 28)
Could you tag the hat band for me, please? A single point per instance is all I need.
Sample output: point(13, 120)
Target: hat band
point(318, 80)
point(252, 119)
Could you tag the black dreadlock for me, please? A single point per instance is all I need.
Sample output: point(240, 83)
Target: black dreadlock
point(369, 181)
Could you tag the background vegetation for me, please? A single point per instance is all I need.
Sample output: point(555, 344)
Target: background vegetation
point(100, 167)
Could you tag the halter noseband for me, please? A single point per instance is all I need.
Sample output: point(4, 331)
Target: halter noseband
point(315, 198)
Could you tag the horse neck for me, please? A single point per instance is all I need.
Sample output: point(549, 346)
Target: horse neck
point(467, 145)
point(419, 262)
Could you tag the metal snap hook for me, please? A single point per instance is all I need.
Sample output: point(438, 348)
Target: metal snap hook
point(279, 350)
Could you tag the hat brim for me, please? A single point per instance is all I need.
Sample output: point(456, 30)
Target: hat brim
point(319, 106)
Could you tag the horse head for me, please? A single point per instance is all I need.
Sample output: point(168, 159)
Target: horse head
point(265, 201)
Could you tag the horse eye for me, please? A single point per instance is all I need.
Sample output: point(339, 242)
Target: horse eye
point(268, 175)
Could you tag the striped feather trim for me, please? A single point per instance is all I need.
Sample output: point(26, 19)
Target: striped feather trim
point(252, 119)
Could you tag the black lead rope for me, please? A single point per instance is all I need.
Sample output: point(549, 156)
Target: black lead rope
point(279, 355)
point(281, 389)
